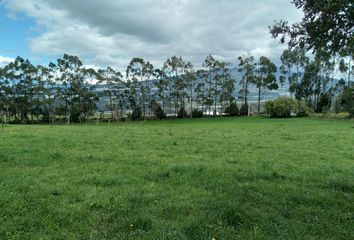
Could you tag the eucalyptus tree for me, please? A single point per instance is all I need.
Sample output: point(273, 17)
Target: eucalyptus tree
point(190, 82)
point(75, 88)
point(3, 97)
point(246, 67)
point(174, 69)
point(326, 25)
point(210, 63)
point(68, 71)
point(265, 78)
point(288, 60)
point(113, 89)
point(46, 92)
point(20, 88)
point(138, 71)
point(306, 87)
point(221, 75)
point(227, 88)
point(162, 86)
point(87, 97)
point(322, 95)
point(182, 81)
point(346, 68)
point(200, 88)
point(301, 60)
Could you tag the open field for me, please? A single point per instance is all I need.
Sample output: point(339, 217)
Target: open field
point(229, 178)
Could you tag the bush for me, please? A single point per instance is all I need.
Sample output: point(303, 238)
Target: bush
point(303, 110)
point(182, 113)
point(197, 113)
point(136, 114)
point(244, 110)
point(324, 102)
point(282, 107)
point(348, 100)
point(232, 110)
point(337, 105)
point(351, 112)
point(158, 111)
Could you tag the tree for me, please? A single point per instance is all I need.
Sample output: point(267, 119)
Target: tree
point(20, 87)
point(199, 89)
point(265, 78)
point(190, 79)
point(113, 89)
point(74, 89)
point(174, 68)
point(161, 85)
point(288, 60)
point(246, 67)
point(140, 70)
point(46, 92)
point(326, 25)
point(227, 86)
point(348, 100)
point(210, 63)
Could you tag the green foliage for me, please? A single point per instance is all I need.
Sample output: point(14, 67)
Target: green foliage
point(325, 26)
point(232, 110)
point(197, 113)
point(348, 100)
point(337, 105)
point(283, 107)
point(323, 103)
point(302, 109)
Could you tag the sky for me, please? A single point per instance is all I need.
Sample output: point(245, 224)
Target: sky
point(111, 32)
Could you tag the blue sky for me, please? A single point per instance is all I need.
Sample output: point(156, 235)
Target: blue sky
point(111, 32)
point(14, 32)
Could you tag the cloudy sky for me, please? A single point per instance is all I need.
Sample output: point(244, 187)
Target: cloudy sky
point(111, 32)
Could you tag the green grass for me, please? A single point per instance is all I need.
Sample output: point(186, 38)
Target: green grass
point(231, 178)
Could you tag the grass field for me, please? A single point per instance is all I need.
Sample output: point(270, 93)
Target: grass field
point(231, 178)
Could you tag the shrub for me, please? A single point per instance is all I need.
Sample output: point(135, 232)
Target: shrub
point(182, 113)
point(244, 110)
point(136, 114)
point(303, 110)
point(351, 112)
point(348, 100)
point(337, 105)
point(282, 107)
point(197, 113)
point(158, 111)
point(232, 110)
point(324, 102)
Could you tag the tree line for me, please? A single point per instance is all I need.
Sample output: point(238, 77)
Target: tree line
point(68, 90)
point(317, 55)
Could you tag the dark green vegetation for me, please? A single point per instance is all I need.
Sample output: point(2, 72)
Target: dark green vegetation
point(227, 178)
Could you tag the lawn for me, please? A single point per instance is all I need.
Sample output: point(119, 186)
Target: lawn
point(230, 178)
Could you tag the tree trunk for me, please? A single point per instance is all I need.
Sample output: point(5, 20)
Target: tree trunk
point(259, 99)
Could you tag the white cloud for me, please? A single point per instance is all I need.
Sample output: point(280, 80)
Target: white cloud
point(5, 60)
point(112, 32)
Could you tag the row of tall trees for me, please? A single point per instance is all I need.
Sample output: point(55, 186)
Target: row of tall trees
point(70, 91)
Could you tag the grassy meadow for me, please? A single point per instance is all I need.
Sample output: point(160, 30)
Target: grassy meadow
point(227, 178)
